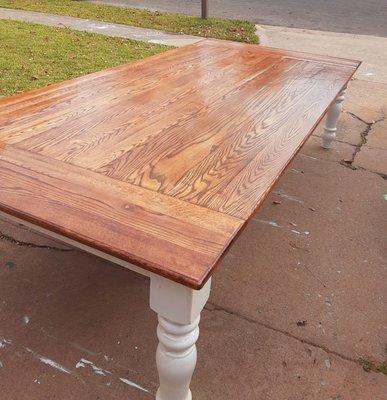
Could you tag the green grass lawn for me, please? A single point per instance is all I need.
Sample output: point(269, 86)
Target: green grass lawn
point(35, 55)
point(242, 31)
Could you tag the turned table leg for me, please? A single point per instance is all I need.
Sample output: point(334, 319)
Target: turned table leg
point(332, 117)
point(178, 308)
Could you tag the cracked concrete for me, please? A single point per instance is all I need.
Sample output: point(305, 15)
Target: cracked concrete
point(22, 236)
point(372, 153)
point(69, 298)
point(210, 306)
point(363, 135)
point(297, 310)
point(323, 264)
point(273, 284)
point(19, 243)
point(366, 94)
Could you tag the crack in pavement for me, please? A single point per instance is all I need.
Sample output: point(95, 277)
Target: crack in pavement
point(358, 118)
point(16, 242)
point(346, 164)
point(215, 307)
point(363, 141)
point(358, 168)
point(363, 134)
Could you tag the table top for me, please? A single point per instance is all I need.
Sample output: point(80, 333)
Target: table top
point(161, 162)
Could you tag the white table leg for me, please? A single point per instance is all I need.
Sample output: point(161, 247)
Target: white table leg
point(178, 309)
point(332, 117)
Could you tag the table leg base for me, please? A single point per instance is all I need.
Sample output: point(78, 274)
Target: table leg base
point(178, 308)
point(328, 138)
point(176, 358)
point(332, 118)
point(159, 396)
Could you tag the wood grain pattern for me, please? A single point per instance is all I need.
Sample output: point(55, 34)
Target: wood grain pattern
point(161, 162)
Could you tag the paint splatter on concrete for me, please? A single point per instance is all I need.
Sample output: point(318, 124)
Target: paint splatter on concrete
point(130, 383)
point(82, 363)
point(282, 193)
point(53, 364)
point(49, 362)
point(306, 156)
point(266, 222)
point(4, 343)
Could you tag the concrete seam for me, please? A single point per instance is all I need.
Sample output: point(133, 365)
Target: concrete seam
point(216, 307)
point(364, 133)
point(16, 242)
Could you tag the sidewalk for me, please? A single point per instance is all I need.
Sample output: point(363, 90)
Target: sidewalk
point(103, 28)
point(369, 49)
point(308, 305)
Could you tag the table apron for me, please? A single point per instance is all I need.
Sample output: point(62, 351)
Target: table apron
point(75, 244)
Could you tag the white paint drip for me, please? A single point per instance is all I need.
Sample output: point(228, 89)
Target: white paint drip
point(276, 225)
point(1, 365)
point(80, 364)
point(26, 319)
point(281, 193)
point(53, 364)
point(49, 362)
point(306, 156)
point(130, 383)
point(271, 223)
point(97, 370)
point(299, 233)
point(4, 342)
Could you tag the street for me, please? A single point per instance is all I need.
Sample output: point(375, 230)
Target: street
point(351, 16)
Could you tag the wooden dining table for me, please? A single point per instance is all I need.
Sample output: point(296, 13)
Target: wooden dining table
point(158, 165)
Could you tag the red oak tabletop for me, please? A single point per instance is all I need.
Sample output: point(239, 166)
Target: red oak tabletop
point(161, 162)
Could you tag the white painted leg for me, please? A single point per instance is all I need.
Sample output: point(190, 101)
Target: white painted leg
point(178, 309)
point(332, 117)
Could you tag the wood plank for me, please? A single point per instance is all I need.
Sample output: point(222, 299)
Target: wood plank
point(235, 177)
point(147, 111)
point(71, 99)
point(155, 231)
point(162, 162)
point(157, 163)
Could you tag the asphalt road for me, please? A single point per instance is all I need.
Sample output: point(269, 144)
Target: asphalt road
point(353, 16)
